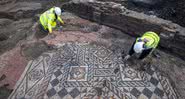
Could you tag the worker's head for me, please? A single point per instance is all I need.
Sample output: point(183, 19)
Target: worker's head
point(58, 11)
point(138, 47)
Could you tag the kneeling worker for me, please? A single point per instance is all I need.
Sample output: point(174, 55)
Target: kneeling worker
point(48, 19)
point(144, 45)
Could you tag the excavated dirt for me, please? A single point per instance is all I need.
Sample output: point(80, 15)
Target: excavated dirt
point(17, 48)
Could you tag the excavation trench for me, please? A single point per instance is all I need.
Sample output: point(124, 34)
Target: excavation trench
point(135, 24)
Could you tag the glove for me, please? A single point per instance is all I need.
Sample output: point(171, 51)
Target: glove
point(126, 57)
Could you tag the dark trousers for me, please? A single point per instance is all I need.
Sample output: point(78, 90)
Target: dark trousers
point(41, 32)
point(42, 29)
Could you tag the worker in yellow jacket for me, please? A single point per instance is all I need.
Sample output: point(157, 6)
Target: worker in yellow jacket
point(48, 19)
point(144, 45)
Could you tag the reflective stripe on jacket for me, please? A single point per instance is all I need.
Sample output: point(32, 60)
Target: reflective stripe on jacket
point(152, 39)
point(48, 19)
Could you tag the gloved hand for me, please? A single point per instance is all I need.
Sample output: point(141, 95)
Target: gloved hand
point(126, 57)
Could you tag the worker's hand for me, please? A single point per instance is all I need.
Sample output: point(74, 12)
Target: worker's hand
point(126, 57)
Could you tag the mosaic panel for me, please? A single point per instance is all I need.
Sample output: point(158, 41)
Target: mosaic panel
point(130, 77)
point(87, 71)
point(35, 73)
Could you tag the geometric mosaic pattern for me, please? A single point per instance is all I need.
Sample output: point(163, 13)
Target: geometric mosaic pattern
point(86, 71)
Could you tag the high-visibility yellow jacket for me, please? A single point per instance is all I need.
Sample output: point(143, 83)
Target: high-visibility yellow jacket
point(152, 39)
point(48, 19)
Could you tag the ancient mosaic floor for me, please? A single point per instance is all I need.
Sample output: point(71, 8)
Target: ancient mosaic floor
point(86, 71)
